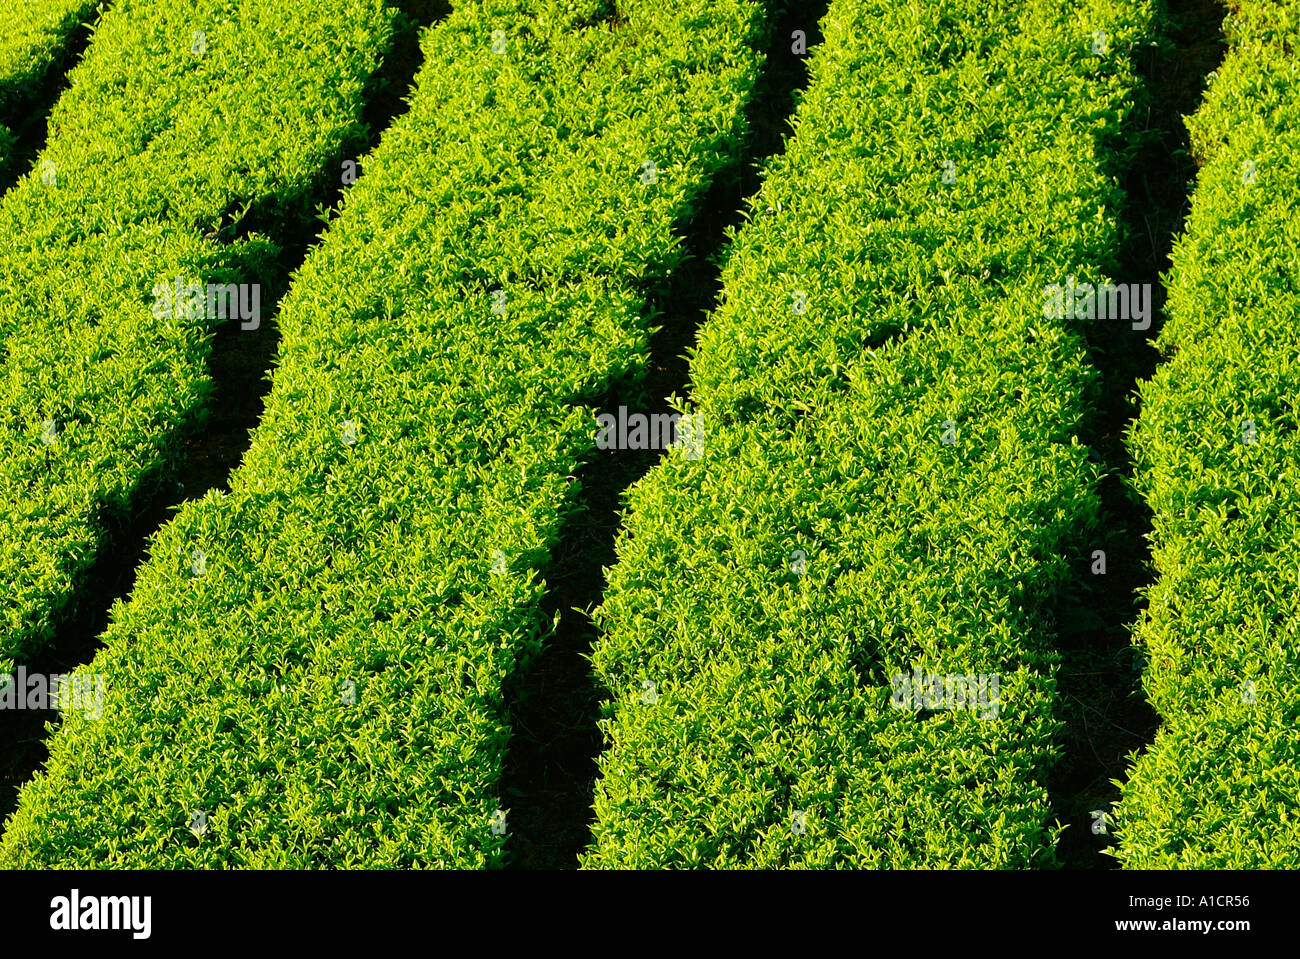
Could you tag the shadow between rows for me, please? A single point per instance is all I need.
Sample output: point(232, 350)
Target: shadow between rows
point(28, 114)
point(555, 700)
point(1105, 714)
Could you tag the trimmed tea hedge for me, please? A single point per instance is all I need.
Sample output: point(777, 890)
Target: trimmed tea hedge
point(320, 683)
point(891, 479)
point(178, 120)
point(1218, 457)
point(34, 38)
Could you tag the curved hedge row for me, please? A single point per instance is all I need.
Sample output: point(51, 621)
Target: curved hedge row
point(324, 687)
point(892, 485)
point(34, 38)
point(1218, 457)
point(178, 120)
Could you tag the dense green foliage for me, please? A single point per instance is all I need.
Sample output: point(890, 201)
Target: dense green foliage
point(1218, 458)
point(34, 36)
point(892, 478)
point(178, 119)
point(325, 684)
point(313, 668)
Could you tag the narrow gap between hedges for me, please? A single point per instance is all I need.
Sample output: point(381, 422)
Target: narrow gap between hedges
point(32, 131)
point(554, 701)
point(1103, 706)
point(239, 367)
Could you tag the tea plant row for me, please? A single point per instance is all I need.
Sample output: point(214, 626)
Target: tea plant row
point(828, 639)
point(1218, 459)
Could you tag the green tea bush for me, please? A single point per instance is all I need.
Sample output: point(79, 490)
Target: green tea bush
point(1218, 459)
point(34, 40)
point(309, 671)
point(892, 480)
point(178, 119)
